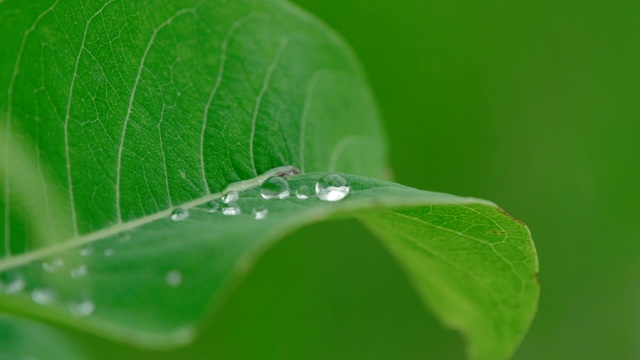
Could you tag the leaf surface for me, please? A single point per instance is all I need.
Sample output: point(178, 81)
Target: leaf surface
point(118, 113)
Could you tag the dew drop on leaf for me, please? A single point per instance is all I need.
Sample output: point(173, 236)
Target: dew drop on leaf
point(81, 308)
point(174, 278)
point(52, 265)
point(179, 214)
point(85, 251)
point(230, 197)
point(43, 296)
point(303, 192)
point(15, 285)
point(332, 187)
point(108, 252)
point(231, 210)
point(78, 272)
point(212, 206)
point(260, 213)
point(275, 187)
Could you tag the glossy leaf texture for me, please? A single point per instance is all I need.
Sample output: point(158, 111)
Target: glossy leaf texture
point(124, 120)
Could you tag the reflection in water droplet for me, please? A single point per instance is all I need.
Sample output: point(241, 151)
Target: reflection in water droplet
point(179, 214)
point(108, 252)
point(260, 213)
point(174, 278)
point(212, 206)
point(231, 210)
point(43, 296)
point(78, 271)
point(230, 197)
point(81, 308)
point(303, 192)
point(275, 187)
point(332, 187)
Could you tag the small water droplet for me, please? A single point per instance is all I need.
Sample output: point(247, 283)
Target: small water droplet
point(174, 278)
point(260, 213)
point(81, 308)
point(231, 210)
point(230, 197)
point(78, 272)
point(332, 187)
point(108, 252)
point(124, 237)
point(43, 296)
point(179, 214)
point(15, 285)
point(303, 192)
point(213, 206)
point(85, 251)
point(52, 265)
point(275, 187)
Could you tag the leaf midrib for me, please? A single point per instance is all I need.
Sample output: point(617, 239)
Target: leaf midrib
point(14, 261)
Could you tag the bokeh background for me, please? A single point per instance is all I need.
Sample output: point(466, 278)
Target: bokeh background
point(536, 106)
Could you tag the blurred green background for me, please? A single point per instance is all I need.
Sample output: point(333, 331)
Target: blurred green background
point(534, 105)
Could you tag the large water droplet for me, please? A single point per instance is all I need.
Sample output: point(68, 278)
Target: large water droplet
point(174, 278)
point(231, 210)
point(303, 192)
point(230, 197)
point(332, 187)
point(212, 206)
point(81, 308)
point(78, 272)
point(43, 296)
point(260, 213)
point(275, 187)
point(179, 214)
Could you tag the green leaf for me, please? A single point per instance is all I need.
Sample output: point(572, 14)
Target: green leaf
point(23, 339)
point(117, 114)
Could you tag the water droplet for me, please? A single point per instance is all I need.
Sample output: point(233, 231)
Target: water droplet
point(303, 192)
point(260, 213)
point(15, 285)
point(108, 252)
point(332, 187)
point(43, 296)
point(52, 265)
point(124, 237)
point(81, 308)
point(230, 197)
point(85, 251)
point(275, 187)
point(212, 206)
point(174, 278)
point(78, 272)
point(231, 210)
point(179, 214)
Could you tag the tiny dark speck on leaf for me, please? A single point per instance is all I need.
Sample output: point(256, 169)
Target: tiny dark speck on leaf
point(511, 217)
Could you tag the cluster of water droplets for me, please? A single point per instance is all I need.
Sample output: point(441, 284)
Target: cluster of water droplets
point(332, 187)
point(14, 283)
